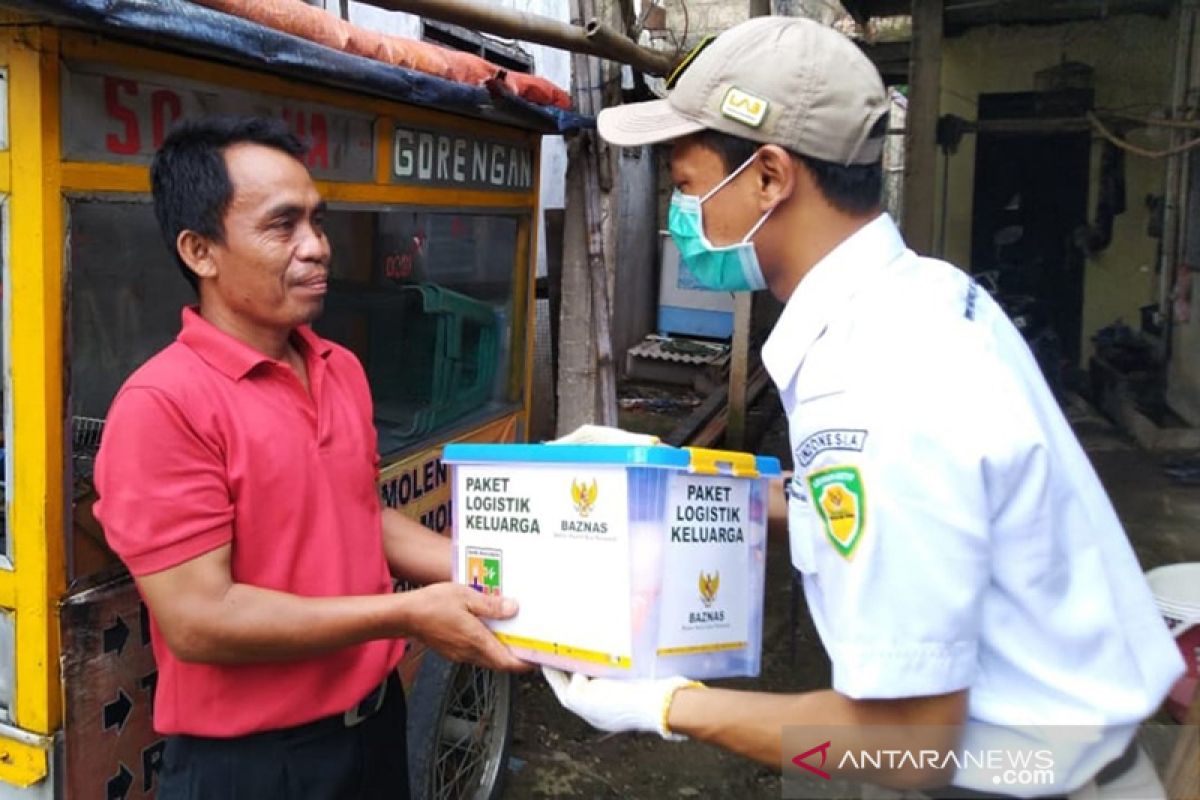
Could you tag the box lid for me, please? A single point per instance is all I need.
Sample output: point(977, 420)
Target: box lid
point(691, 459)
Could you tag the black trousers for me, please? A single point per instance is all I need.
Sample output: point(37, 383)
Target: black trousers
point(322, 760)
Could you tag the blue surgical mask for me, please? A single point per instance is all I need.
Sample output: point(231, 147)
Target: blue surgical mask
point(733, 268)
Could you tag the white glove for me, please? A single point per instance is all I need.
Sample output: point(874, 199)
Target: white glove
point(618, 705)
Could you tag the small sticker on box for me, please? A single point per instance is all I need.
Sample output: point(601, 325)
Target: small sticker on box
point(484, 570)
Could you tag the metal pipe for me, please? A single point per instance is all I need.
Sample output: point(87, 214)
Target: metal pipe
point(615, 47)
point(1173, 194)
point(597, 40)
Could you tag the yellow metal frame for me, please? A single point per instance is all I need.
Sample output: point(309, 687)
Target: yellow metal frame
point(36, 508)
point(36, 181)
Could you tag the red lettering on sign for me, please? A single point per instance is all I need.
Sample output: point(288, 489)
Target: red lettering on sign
point(164, 102)
point(318, 151)
point(300, 126)
point(312, 132)
point(132, 142)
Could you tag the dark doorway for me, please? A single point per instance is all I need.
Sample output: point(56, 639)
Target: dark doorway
point(1030, 199)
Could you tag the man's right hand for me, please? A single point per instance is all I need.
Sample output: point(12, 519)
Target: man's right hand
point(208, 618)
point(447, 617)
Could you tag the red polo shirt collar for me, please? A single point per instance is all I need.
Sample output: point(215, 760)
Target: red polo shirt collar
point(232, 356)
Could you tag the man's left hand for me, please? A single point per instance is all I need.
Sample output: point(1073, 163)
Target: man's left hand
point(618, 705)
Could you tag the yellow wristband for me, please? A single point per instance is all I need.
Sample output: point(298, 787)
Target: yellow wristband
point(668, 698)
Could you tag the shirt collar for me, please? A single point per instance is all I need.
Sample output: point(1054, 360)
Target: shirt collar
point(822, 292)
point(233, 357)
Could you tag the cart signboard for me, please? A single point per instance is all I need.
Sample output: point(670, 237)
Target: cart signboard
point(449, 159)
point(420, 485)
point(120, 116)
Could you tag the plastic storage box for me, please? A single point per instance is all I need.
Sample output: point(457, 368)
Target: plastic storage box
point(450, 372)
point(627, 561)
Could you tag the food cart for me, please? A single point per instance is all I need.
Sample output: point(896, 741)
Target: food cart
point(433, 194)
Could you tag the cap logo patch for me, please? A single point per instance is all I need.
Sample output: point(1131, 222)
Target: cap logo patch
point(744, 107)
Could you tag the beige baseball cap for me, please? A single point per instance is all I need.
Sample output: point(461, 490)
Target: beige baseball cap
point(777, 80)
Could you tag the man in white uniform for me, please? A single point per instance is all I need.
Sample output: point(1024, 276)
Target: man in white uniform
point(965, 570)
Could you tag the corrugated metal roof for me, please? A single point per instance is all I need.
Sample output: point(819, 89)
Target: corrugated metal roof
point(681, 351)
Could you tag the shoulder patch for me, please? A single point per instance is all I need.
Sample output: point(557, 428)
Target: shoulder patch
point(838, 495)
point(744, 107)
point(830, 439)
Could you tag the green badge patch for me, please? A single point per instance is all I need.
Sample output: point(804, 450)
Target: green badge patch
point(837, 494)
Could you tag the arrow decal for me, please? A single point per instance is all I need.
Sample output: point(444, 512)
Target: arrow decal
point(117, 712)
point(115, 636)
point(118, 785)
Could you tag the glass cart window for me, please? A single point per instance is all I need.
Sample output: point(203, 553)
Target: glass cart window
point(423, 298)
point(6, 663)
point(125, 299)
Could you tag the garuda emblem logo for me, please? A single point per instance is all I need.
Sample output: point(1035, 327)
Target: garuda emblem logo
point(708, 587)
point(584, 496)
point(840, 503)
point(840, 508)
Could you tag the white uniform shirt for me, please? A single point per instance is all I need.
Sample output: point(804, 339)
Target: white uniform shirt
point(951, 532)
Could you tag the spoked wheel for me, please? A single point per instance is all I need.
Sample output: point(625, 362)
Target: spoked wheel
point(459, 731)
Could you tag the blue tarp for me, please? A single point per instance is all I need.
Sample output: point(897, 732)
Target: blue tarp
point(205, 31)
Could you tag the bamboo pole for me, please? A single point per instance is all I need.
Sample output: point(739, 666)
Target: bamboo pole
point(588, 100)
point(597, 39)
point(920, 159)
point(576, 349)
point(587, 378)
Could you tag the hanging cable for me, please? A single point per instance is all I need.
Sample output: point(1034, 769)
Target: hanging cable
point(686, 27)
point(1133, 148)
point(1159, 122)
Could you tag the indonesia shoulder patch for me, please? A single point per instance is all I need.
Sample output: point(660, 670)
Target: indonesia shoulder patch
point(839, 497)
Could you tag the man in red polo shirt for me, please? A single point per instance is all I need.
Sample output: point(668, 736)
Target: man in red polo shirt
point(237, 482)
